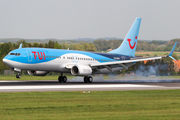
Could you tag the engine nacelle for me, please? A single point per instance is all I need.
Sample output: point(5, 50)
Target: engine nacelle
point(81, 70)
point(37, 73)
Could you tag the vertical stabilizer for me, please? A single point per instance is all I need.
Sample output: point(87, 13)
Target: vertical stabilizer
point(20, 46)
point(128, 46)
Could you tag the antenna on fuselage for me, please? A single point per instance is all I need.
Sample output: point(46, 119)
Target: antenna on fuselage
point(20, 46)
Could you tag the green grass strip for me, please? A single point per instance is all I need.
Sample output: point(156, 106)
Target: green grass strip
point(155, 104)
point(70, 77)
point(29, 77)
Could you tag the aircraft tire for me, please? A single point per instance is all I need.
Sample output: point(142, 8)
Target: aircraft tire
point(60, 79)
point(86, 79)
point(18, 76)
point(90, 79)
point(64, 79)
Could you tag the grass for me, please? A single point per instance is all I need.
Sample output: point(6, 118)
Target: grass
point(28, 77)
point(96, 77)
point(155, 104)
point(70, 77)
point(152, 53)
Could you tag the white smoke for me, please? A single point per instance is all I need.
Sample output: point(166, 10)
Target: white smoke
point(146, 70)
point(144, 73)
point(76, 79)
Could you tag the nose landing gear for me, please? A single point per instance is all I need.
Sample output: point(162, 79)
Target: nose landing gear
point(18, 75)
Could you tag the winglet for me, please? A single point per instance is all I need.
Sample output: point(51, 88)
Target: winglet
point(172, 50)
point(173, 58)
point(20, 46)
point(171, 53)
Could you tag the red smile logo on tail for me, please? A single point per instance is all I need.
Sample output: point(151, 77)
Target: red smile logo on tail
point(129, 40)
point(132, 47)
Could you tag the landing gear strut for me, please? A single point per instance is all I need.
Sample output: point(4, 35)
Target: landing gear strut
point(62, 78)
point(18, 75)
point(88, 79)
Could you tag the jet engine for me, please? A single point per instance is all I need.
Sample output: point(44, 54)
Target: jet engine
point(37, 73)
point(81, 70)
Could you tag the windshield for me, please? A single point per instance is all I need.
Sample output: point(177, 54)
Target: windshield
point(17, 54)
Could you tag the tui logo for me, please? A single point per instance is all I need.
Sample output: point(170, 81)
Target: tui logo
point(129, 41)
point(39, 55)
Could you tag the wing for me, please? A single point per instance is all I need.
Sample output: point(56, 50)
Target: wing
point(127, 63)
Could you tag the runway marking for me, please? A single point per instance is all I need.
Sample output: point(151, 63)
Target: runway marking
point(8, 81)
point(75, 86)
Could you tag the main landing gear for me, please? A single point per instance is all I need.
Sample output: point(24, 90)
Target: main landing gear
point(88, 79)
point(18, 75)
point(62, 78)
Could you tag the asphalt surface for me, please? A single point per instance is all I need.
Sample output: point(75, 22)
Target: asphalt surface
point(107, 85)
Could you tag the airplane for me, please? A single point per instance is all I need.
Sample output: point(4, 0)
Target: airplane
point(41, 61)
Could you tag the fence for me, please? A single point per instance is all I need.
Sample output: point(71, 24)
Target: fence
point(8, 72)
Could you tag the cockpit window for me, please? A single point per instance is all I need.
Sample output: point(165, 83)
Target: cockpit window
point(11, 53)
point(17, 54)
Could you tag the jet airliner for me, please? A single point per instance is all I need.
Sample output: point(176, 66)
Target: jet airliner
point(41, 61)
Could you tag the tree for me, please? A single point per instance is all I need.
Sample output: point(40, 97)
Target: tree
point(25, 44)
point(57, 46)
point(35, 44)
point(51, 44)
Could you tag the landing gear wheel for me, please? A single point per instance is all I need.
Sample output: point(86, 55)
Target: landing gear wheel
point(18, 75)
point(88, 79)
point(60, 79)
point(64, 79)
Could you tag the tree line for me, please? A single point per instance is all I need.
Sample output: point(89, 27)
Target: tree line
point(103, 45)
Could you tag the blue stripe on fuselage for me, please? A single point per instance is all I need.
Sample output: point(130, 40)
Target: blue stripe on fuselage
point(24, 58)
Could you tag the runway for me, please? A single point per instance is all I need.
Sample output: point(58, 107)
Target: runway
point(51, 85)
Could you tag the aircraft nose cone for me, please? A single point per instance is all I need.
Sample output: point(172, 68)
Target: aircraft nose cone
point(8, 62)
point(5, 61)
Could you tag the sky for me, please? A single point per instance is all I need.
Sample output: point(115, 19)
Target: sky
point(72, 19)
